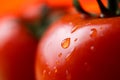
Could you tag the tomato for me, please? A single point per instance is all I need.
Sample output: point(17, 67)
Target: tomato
point(80, 48)
point(17, 50)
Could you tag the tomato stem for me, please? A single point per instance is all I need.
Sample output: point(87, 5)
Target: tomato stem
point(112, 6)
point(79, 8)
point(104, 10)
point(111, 11)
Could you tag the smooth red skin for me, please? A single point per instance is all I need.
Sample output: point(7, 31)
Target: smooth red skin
point(93, 53)
point(17, 51)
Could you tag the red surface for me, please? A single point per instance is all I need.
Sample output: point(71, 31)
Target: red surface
point(75, 48)
point(17, 51)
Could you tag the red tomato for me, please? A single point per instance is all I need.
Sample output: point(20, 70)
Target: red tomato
point(77, 49)
point(17, 50)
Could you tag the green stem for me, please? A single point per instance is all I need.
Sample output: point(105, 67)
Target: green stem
point(111, 11)
point(103, 9)
point(79, 7)
point(112, 6)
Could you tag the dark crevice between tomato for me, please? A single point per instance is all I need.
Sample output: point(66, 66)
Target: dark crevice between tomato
point(112, 9)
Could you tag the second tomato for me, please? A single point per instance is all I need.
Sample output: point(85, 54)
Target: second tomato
point(17, 50)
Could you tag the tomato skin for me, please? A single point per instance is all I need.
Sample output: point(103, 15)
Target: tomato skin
point(80, 49)
point(17, 50)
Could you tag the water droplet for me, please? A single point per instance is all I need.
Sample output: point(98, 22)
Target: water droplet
point(92, 47)
point(55, 70)
point(44, 72)
point(65, 43)
point(68, 75)
point(70, 23)
point(75, 28)
point(93, 33)
point(60, 55)
point(54, 67)
point(87, 66)
point(75, 39)
point(57, 62)
point(49, 72)
point(66, 71)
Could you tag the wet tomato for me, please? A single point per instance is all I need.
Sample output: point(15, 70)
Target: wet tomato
point(17, 50)
point(81, 48)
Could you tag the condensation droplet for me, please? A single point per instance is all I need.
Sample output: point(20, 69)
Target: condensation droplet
point(68, 75)
point(75, 28)
point(66, 71)
point(70, 23)
point(65, 43)
point(57, 62)
point(54, 67)
point(87, 66)
point(93, 33)
point(92, 47)
point(60, 55)
point(49, 72)
point(44, 72)
point(75, 39)
point(55, 70)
